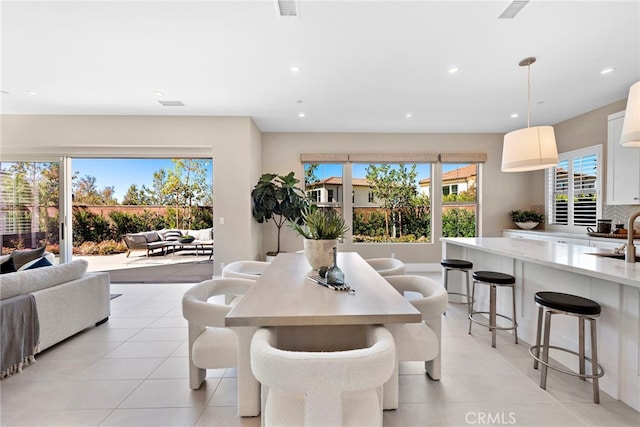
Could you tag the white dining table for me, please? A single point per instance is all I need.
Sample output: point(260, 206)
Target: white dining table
point(313, 317)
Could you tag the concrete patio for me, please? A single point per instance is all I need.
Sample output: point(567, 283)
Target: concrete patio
point(179, 267)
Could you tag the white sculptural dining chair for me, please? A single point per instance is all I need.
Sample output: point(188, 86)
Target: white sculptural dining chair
point(211, 344)
point(421, 341)
point(251, 270)
point(387, 266)
point(332, 388)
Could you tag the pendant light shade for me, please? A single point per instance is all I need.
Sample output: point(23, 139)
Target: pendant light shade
point(532, 148)
point(631, 125)
point(529, 149)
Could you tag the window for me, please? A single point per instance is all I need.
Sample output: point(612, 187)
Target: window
point(392, 194)
point(29, 199)
point(573, 188)
point(390, 205)
point(323, 184)
point(459, 199)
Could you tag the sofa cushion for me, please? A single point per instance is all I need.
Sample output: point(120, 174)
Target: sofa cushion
point(172, 235)
point(36, 263)
point(27, 281)
point(7, 267)
point(21, 257)
point(151, 236)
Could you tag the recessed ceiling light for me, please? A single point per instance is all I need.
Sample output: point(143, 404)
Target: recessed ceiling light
point(295, 68)
point(158, 93)
point(4, 92)
point(607, 70)
point(453, 70)
point(33, 93)
point(408, 115)
point(301, 115)
point(299, 101)
point(514, 115)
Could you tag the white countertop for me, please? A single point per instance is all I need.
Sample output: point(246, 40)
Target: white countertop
point(571, 235)
point(573, 258)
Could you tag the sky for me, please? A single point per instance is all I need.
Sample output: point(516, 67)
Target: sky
point(121, 173)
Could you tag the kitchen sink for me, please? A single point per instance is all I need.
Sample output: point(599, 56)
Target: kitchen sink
point(611, 255)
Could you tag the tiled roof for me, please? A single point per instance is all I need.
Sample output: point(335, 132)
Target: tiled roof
point(337, 180)
point(460, 173)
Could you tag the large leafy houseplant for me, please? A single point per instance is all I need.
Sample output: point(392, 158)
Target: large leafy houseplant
point(276, 197)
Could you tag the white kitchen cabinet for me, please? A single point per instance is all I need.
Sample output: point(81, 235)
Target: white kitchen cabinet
point(517, 235)
point(623, 167)
point(563, 239)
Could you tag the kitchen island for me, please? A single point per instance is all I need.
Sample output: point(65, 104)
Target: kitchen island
point(549, 266)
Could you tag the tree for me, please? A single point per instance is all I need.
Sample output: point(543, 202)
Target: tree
point(186, 185)
point(137, 196)
point(395, 187)
point(310, 173)
point(86, 192)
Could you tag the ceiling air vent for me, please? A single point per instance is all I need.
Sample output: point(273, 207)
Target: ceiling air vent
point(513, 9)
point(171, 103)
point(287, 8)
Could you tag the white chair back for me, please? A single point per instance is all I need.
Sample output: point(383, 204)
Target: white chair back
point(211, 344)
point(250, 270)
point(323, 388)
point(421, 341)
point(387, 266)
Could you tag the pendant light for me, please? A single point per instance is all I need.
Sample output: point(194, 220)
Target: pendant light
point(531, 148)
point(631, 125)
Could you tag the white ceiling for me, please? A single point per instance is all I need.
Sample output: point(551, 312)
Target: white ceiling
point(364, 64)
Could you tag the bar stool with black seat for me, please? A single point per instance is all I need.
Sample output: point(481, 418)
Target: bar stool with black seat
point(462, 266)
point(494, 279)
point(584, 309)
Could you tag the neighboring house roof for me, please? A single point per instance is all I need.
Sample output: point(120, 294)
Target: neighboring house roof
point(337, 180)
point(455, 174)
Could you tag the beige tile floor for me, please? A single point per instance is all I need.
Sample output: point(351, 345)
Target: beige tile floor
point(132, 371)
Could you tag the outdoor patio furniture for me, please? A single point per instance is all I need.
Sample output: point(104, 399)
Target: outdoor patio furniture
point(164, 239)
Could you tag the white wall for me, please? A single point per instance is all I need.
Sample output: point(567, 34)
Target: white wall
point(501, 192)
point(233, 142)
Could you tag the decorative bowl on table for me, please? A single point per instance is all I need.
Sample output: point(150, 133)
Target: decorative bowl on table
point(186, 239)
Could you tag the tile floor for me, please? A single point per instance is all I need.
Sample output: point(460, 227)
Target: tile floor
point(132, 371)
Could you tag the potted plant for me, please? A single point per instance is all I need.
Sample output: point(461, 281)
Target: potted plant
point(276, 197)
point(526, 219)
point(321, 230)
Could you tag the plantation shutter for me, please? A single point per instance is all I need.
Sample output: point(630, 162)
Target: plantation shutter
point(560, 193)
point(584, 190)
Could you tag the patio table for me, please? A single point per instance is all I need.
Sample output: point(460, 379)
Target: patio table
point(198, 244)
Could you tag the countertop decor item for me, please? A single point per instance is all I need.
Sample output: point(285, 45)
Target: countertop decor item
point(321, 229)
point(526, 220)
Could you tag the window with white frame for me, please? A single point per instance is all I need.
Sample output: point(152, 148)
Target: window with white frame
point(574, 188)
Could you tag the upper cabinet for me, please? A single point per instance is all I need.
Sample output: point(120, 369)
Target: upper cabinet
point(623, 167)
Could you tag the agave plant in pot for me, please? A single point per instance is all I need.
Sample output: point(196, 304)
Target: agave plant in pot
point(321, 230)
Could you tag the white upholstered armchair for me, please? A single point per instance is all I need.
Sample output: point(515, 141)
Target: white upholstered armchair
point(334, 388)
point(211, 344)
point(387, 266)
point(421, 341)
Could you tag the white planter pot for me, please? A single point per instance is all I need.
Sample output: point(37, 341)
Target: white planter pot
point(319, 253)
point(527, 225)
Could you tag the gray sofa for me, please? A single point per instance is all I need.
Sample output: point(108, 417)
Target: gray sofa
point(163, 240)
point(68, 299)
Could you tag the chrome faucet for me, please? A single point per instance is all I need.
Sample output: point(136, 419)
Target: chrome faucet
point(630, 254)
